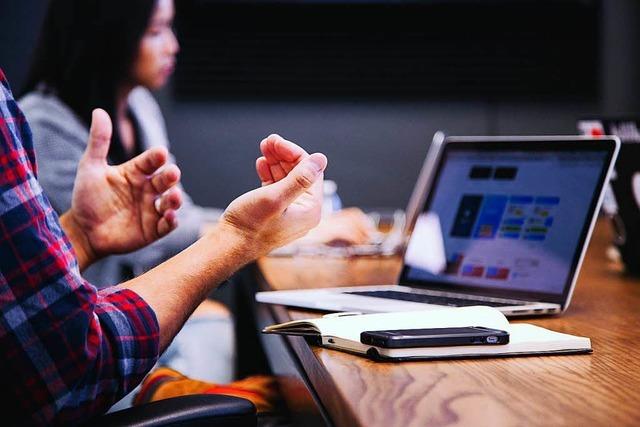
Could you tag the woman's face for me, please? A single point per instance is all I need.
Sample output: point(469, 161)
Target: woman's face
point(158, 48)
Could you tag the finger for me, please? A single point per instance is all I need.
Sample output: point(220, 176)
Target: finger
point(165, 178)
point(277, 149)
point(350, 235)
point(167, 223)
point(345, 239)
point(287, 166)
point(264, 173)
point(281, 155)
point(171, 200)
point(99, 135)
point(277, 171)
point(149, 161)
point(363, 236)
point(300, 179)
point(351, 211)
point(288, 151)
point(360, 220)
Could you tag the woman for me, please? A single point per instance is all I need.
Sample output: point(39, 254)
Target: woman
point(110, 54)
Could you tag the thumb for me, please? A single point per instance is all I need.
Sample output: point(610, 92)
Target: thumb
point(99, 135)
point(300, 179)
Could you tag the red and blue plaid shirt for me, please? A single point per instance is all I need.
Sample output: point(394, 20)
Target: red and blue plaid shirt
point(68, 351)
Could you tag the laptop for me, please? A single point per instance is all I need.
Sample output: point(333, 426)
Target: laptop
point(622, 198)
point(503, 222)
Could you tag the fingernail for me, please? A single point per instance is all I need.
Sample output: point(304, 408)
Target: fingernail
point(319, 160)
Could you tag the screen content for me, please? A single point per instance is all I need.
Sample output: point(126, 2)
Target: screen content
point(507, 220)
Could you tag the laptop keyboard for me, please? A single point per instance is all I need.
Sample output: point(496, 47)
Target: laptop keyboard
point(430, 299)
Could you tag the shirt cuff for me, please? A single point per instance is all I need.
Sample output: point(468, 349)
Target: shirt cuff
point(134, 330)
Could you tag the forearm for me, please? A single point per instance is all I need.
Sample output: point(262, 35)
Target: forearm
point(176, 287)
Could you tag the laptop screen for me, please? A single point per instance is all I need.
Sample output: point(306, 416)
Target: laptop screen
point(507, 219)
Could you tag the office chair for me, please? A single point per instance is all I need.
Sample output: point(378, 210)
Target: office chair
point(186, 411)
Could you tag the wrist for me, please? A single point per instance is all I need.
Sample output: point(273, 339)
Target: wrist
point(239, 244)
point(79, 240)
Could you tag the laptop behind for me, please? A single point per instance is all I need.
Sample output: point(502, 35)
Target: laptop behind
point(503, 222)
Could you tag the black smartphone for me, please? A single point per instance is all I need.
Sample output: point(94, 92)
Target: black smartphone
point(436, 337)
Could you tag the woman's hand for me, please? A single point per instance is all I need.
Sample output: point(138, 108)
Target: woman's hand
point(346, 227)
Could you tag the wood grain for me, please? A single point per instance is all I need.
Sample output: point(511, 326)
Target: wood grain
point(581, 390)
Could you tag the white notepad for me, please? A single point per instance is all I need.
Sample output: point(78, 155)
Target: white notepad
point(341, 331)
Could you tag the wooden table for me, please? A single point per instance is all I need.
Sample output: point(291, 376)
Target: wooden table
point(602, 388)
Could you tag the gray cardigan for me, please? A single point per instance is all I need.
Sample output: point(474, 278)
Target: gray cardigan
point(60, 138)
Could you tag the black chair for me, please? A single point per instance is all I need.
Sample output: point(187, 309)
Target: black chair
point(196, 410)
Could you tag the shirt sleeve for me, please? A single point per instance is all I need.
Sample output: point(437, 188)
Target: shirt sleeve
point(69, 351)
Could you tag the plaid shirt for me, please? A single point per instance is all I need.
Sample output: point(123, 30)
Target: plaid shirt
point(68, 351)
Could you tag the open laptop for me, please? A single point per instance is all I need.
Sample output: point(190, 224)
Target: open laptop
point(622, 199)
point(504, 222)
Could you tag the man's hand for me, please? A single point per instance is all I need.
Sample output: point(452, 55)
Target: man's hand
point(348, 227)
point(118, 209)
point(288, 204)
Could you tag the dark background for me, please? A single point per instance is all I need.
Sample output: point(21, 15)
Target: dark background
point(369, 82)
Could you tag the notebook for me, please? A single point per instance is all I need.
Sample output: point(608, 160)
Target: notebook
point(341, 331)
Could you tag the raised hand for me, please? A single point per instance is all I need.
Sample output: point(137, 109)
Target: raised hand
point(288, 204)
point(347, 227)
point(121, 208)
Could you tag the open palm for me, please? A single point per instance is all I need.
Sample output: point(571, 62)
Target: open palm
point(125, 207)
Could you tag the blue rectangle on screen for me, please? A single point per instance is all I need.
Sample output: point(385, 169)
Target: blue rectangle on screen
point(548, 222)
point(466, 215)
point(513, 221)
point(547, 200)
point(535, 237)
point(490, 216)
point(521, 200)
point(510, 235)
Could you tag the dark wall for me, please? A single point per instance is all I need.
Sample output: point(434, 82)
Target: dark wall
point(621, 56)
point(19, 28)
point(437, 50)
point(375, 146)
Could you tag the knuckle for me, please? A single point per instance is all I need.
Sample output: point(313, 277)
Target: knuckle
point(304, 179)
